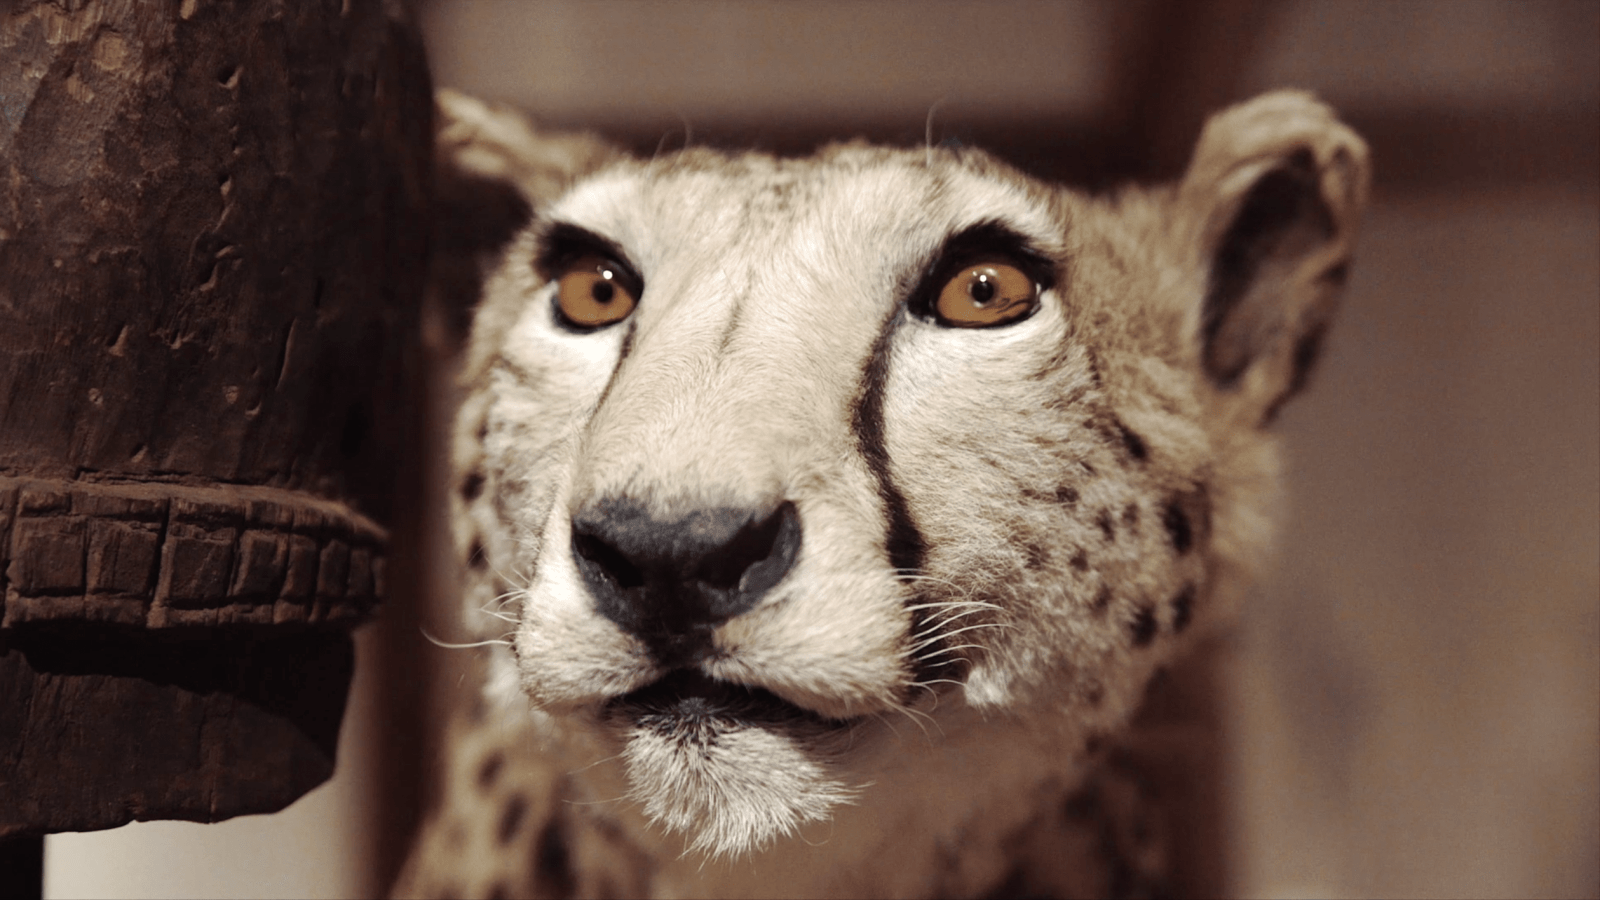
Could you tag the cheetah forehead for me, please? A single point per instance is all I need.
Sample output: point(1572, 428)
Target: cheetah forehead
point(850, 210)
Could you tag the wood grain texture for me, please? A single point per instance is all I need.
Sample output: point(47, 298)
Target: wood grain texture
point(212, 245)
point(208, 241)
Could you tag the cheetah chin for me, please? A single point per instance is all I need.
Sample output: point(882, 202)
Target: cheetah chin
point(837, 512)
point(733, 766)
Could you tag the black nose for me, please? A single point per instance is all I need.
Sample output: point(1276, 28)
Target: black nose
point(670, 582)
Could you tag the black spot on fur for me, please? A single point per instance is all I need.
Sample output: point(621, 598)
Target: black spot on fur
point(475, 556)
point(1037, 555)
point(1130, 517)
point(499, 891)
point(1140, 831)
point(511, 816)
point(1084, 805)
point(622, 354)
point(903, 541)
point(1134, 443)
point(472, 486)
point(727, 334)
point(1066, 495)
point(1102, 599)
point(556, 878)
point(1182, 609)
point(489, 770)
point(1108, 529)
point(1178, 527)
point(1095, 694)
point(1143, 628)
point(1015, 884)
point(1094, 744)
point(1080, 561)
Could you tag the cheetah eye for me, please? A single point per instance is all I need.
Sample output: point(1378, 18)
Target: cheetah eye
point(986, 293)
point(593, 291)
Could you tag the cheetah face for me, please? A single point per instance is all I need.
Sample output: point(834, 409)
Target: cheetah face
point(765, 453)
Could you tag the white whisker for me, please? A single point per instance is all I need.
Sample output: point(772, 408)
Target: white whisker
point(927, 134)
point(463, 646)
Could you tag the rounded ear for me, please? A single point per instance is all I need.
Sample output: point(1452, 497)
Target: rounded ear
point(492, 169)
point(489, 142)
point(1273, 195)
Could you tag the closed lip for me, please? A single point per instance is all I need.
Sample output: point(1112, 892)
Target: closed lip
point(686, 696)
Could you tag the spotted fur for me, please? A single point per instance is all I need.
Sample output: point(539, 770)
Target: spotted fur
point(1002, 532)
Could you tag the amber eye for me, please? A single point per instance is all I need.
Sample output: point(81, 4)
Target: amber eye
point(590, 292)
point(986, 293)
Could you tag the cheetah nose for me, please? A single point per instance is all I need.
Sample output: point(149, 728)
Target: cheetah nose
point(671, 582)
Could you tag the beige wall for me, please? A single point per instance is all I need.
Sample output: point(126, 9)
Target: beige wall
point(712, 59)
point(1417, 703)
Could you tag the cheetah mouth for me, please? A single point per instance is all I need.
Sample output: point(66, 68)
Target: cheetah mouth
point(687, 696)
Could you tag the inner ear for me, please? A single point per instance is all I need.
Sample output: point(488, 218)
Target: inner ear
point(1258, 265)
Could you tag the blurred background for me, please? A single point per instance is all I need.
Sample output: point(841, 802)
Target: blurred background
point(1415, 690)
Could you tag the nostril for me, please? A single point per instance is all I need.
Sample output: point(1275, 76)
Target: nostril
point(609, 560)
point(726, 566)
point(671, 581)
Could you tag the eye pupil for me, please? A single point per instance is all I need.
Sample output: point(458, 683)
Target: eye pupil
point(982, 289)
point(602, 292)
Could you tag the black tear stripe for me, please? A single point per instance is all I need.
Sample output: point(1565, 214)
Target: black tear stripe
point(903, 541)
point(727, 335)
point(622, 354)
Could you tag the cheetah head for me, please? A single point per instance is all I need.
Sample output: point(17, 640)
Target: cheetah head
point(763, 455)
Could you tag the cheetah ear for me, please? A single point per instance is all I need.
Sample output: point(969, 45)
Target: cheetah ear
point(1273, 195)
point(492, 169)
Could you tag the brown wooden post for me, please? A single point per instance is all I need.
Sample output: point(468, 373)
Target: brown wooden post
point(212, 247)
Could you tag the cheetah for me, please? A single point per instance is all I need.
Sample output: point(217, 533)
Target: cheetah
point(825, 519)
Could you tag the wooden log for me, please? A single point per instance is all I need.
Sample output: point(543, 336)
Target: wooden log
point(212, 244)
